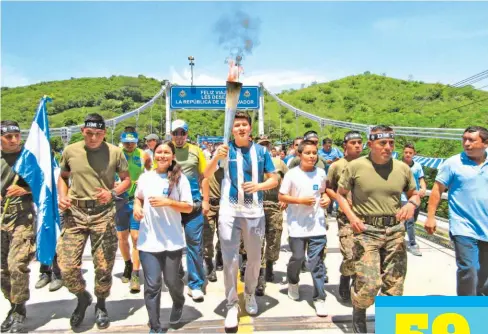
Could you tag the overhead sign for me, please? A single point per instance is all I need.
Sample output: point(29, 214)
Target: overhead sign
point(211, 97)
point(210, 139)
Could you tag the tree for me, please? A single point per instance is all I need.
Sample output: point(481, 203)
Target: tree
point(56, 143)
point(76, 137)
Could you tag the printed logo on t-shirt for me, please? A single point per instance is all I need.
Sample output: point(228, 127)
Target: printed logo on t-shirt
point(315, 187)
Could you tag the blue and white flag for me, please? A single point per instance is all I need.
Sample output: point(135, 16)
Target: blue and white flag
point(429, 162)
point(36, 166)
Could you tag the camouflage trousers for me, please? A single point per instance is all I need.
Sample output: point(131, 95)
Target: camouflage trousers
point(346, 241)
point(380, 264)
point(210, 226)
point(17, 251)
point(270, 248)
point(99, 225)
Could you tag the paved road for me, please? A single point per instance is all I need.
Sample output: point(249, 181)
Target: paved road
point(431, 274)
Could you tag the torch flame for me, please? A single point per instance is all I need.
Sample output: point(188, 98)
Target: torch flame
point(234, 70)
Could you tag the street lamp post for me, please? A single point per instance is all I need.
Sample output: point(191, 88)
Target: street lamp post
point(191, 59)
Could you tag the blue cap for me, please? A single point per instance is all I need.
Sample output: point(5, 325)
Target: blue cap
point(179, 124)
point(129, 137)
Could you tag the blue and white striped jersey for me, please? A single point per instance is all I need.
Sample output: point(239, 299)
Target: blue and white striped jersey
point(244, 164)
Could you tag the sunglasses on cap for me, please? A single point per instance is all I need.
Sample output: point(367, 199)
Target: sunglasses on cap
point(179, 133)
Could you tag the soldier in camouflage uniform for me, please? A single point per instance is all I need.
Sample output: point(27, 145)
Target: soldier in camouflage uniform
point(211, 223)
point(89, 211)
point(376, 183)
point(273, 214)
point(353, 146)
point(17, 231)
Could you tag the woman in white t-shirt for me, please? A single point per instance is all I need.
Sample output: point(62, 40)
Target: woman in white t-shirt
point(161, 196)
point(303, 189)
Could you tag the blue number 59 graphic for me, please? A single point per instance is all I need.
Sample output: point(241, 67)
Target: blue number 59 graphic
point(431, 315)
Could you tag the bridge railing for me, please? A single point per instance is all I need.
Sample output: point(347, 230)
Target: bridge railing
point(435, 133)
point(66, 132)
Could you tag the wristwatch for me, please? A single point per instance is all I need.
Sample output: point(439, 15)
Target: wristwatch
point(415, 204)
point(114, 193)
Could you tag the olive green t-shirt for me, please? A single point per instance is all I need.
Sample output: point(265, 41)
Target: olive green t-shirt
point(281, 169)
point(319, 164)
point(215, 183)
point(335, 172)
point(376, 189)
point(8, 175)
point(92, 168)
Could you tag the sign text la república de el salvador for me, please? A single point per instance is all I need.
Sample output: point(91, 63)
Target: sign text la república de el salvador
point(211, 97)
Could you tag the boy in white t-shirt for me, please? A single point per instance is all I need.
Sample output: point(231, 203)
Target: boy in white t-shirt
point(303, 189)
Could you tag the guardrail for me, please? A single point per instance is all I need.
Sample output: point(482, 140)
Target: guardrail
point(435, 133)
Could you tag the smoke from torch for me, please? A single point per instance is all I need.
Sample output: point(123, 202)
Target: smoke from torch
point(233, 91)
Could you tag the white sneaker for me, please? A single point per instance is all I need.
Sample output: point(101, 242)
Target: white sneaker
point(232, 319)
point(320, 308)
point(251, 305)
point(196, 295)
point(293, 292)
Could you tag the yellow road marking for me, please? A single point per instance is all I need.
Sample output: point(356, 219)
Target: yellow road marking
point(245, 321)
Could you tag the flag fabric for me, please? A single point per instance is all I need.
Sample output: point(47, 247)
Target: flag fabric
point(429, 162)
point(36, 166)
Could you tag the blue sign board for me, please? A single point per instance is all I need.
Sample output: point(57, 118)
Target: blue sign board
point(211, 97)
point(210, 139)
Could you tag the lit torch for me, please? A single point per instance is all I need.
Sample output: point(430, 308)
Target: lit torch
point(232, 98)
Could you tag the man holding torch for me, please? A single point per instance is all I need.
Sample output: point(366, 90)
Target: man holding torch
point(241, 209)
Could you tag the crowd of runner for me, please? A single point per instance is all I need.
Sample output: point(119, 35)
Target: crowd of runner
point(172, 195)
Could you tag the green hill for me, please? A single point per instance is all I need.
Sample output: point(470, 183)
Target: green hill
point(366, 98)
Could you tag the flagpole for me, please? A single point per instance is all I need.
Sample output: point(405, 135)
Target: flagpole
point(7, 202)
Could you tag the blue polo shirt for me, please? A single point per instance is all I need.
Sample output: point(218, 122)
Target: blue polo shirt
point(334, 153)
point(467, 197)
point(418, 173)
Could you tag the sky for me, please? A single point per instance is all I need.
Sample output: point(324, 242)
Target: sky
point(293, 43)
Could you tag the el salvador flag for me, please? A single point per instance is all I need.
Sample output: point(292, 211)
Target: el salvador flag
point(36, 166)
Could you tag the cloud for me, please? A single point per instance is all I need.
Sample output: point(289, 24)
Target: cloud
point(11, 77)
point(275, 81)
point(427, 26)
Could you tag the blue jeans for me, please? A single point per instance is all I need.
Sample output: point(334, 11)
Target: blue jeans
point(315, 247)
point(410, 226)
point(472, 264)
point(194, 254)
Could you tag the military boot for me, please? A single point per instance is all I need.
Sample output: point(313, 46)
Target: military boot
point(359, 320)
point(126, 276)
point(7, 323)
point(345, 288)
point(261, 283)
point(84, 300)
point(18, 318)
point(101, 316)
point(211, 274)
point(219, 262)
point(269, 271)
